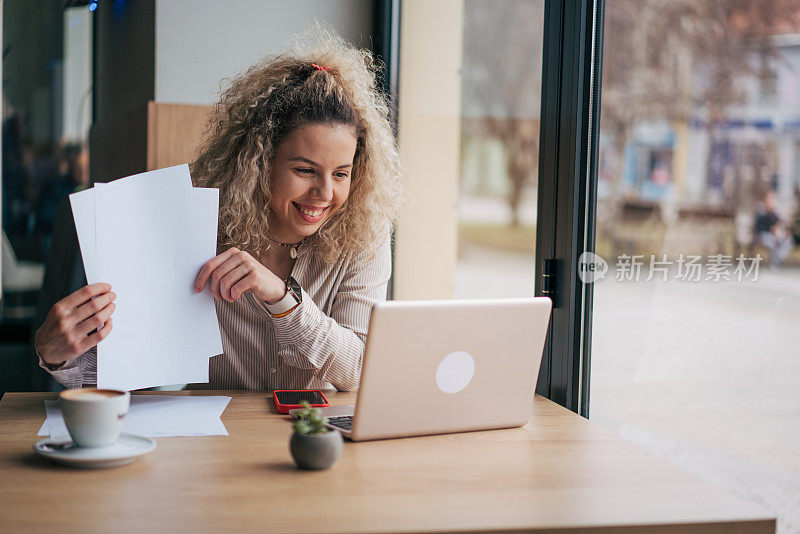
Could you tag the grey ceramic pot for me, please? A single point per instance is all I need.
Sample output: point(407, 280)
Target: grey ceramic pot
point(316, 451)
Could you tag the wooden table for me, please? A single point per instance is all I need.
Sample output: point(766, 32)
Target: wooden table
point(560, 473)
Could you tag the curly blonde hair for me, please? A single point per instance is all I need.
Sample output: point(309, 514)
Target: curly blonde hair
point(258, 111)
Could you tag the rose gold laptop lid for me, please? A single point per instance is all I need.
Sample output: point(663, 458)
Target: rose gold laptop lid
point(435, 367)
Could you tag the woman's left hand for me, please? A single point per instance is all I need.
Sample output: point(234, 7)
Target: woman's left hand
point(235, 272)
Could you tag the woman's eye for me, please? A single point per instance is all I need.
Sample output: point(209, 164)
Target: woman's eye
point(305, 170)
point(340, 175)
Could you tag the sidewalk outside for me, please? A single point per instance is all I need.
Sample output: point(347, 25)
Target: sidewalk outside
point(704, 374)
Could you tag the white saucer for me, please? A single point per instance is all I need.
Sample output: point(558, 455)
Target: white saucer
point(126, 450)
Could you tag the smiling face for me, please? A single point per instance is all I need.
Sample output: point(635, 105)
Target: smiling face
point(310, 179)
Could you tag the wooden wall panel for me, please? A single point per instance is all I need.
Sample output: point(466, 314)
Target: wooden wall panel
point(146, 138)
point(174, 133)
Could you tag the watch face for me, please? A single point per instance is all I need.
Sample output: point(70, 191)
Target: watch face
point(294, 287)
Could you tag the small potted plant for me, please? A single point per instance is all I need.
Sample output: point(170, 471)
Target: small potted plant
point(313, 445)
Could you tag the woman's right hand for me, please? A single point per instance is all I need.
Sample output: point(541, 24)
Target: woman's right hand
point(65, 333)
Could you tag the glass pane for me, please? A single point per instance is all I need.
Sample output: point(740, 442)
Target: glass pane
point(500, 91)
point(468, 133)
point(695, 322)
point(47, 58)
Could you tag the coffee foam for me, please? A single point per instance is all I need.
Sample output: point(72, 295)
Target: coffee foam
point(94, 396)
point(91, 394)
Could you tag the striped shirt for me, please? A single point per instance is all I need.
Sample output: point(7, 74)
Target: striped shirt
point(319, 345)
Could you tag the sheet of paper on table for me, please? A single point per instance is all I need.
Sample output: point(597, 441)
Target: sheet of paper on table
point(149, 242)
point(157, 416)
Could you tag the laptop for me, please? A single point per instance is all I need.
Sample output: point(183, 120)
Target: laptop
point(436, 367)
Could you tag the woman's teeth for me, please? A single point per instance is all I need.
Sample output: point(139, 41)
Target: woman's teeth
point(310, 213)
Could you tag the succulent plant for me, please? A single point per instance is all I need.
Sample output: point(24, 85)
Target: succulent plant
point(310, 420)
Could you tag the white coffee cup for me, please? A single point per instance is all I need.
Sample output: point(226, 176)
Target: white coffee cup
point(93, 416)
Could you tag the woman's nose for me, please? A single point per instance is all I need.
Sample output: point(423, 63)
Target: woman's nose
point(323, 189)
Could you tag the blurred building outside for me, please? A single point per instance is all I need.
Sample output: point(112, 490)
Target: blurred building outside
point(701, 178)
point(695, 133)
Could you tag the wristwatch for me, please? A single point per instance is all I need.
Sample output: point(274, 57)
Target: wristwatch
point(290, 301)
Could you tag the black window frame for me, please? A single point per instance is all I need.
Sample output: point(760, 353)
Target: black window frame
point(571, 87)
point(386, 48)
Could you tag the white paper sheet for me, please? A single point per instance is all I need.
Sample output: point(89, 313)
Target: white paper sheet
point(83, 211)
point(83, 208)
point(157, 416)
point(150, 244)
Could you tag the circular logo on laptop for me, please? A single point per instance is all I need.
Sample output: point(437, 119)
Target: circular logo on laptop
point(455, 372)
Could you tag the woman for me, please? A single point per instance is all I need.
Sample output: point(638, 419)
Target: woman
point(302, 152)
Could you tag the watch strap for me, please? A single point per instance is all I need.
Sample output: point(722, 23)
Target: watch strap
point(291, 300)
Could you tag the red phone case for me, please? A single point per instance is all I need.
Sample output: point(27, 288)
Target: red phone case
point(284, 408)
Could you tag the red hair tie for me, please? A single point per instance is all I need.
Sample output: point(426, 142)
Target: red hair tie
point(320, 68)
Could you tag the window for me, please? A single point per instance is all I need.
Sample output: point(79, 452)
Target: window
point(47, 109)
point(470, 79)
point(695, 323)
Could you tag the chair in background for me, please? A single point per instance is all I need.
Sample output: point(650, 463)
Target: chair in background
point(21, 282)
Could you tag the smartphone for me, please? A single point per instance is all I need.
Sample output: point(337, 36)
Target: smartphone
point(290, 399)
